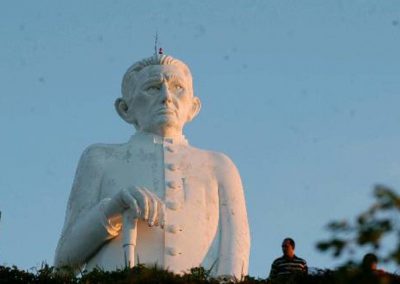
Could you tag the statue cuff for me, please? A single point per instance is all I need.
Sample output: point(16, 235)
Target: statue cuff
point(112, 228)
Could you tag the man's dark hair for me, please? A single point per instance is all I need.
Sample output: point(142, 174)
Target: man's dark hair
point(291, 241)
point(368, 260)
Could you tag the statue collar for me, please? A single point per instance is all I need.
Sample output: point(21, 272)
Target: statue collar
point(156, 139)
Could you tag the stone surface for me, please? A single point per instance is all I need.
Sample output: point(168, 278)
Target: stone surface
point(188, 203)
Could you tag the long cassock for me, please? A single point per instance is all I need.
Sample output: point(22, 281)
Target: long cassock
point(206, 219)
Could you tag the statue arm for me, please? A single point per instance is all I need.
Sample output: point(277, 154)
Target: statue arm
point(85, 228)
point(235, 236)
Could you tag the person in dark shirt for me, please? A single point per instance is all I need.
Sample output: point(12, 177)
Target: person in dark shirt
point(287, 265)
point(369, 266)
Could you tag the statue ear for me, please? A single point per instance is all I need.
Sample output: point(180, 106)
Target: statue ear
point(122, 108)
point(196, 106)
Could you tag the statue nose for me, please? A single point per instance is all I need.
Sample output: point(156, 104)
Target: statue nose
point(165, 94)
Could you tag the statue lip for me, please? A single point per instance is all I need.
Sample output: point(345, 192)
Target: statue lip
point(165, 110)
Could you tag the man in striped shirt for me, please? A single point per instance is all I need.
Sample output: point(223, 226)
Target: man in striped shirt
point(287, 265)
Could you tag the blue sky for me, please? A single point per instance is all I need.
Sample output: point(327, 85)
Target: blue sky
point(303, 95)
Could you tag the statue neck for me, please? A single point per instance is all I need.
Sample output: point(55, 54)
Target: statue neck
point(151, 137)
point(167, 132)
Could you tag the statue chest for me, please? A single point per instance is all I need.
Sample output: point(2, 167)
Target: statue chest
point(184, 179)
point(173, 172)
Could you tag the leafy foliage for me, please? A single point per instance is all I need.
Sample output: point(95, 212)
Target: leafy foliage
point(137, 274)
point(142, 274)
point(369, 229)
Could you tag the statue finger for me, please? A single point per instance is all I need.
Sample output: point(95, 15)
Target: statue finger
point(152, 207)
point(124, 198)
point(130, 215)
point(160, 211)
point(134, 208)
point(127, 200)
point(143, 202)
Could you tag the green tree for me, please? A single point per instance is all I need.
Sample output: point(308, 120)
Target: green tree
point(369, 229)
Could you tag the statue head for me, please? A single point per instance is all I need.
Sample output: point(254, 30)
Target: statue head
point(157, 96)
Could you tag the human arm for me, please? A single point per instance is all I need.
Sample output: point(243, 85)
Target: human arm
point(305, 267)
point(235, 236)
point(273, 272)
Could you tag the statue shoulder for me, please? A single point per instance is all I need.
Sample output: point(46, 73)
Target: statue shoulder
point(221, 159)
point(226, 173)
point(218, 159)
point(98, 154)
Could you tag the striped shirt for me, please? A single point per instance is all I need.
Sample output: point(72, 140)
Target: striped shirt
point(283, 266)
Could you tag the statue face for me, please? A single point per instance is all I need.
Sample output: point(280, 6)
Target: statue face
point(163, 100)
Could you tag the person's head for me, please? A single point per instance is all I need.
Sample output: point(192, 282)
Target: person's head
point(370, 261)
point(288, 246)
point(157, 96)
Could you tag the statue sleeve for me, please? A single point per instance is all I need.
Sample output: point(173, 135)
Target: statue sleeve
point(235, 236)
point(85, 228)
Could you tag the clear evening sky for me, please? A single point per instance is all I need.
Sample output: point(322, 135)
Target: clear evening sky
point(304, 97)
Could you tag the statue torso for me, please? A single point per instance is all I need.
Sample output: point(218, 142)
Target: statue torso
point(184, 178)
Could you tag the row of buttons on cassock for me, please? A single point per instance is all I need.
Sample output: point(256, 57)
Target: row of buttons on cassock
point(172, 185)
point(173, 205)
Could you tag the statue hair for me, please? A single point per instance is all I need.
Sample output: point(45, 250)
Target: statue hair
point(129, 80)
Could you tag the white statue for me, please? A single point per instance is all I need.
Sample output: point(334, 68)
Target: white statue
point(187, 203)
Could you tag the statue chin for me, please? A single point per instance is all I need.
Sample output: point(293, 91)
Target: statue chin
point(164, 125)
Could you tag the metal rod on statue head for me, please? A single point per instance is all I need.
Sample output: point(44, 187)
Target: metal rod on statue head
point(156, 43)
point(156, 49)
point(129, 235)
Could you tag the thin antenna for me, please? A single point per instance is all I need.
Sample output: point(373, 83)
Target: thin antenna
point(156, 43)
point(156, 49)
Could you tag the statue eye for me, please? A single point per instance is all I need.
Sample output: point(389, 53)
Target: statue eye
point(178, 88)
point(153, 88)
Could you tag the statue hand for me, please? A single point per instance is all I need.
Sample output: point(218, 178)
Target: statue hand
point(151, 207)
point(141, 202)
